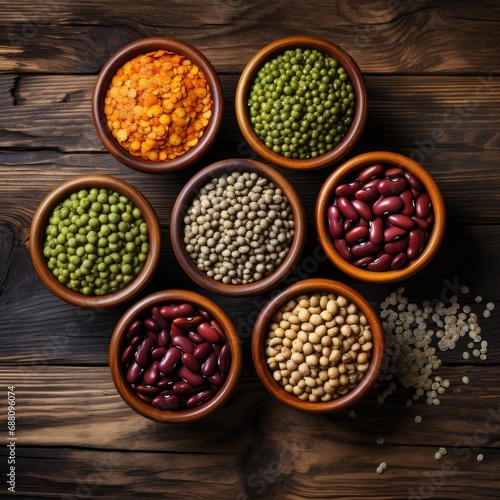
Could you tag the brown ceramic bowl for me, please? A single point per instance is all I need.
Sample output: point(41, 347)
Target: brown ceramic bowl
point(349, 169)
point(246, 81)
point(184, 201)
point(259, 335)
point(128, 52)
point(37, 236)
point(140, 310)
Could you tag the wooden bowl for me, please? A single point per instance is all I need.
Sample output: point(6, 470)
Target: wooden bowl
point(183, 202)
point(125, 54)
point(347, 169)
point(259, 336)
point(37, 236)
point(248, 76)
point(137, 311)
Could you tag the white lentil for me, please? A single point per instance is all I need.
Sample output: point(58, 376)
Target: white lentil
point(380, 440)
point(438, 455)
point(480, 457)
point(486, 313)
point(478, 299)
point(418, 419)
point(465, 380)
point(490, 306)
point(465, 355)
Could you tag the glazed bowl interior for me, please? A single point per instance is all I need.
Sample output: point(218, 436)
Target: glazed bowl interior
point(41, 220)
point(346, 171)
point(138, 310)
point(259, 334)
point(184, 200)
point(116, 61)
point(245, 84)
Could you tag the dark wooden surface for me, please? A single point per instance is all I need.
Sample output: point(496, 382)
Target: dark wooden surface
point(433, 76)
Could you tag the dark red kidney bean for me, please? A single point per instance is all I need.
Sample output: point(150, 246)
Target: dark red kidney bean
point(147, 390)
point(376, 231)
point(224, 360)
point(217, 348)
point(345, 206)
point(347, 190)
point(158, 353)
point(334, 221)
point(216, 378)
point(364, 249)
point(183, 343)
point(167, 402)
point(151, 374)
point(430, 219)
point(416, 240)
point(387, 205)
point(423, 206)
point(395, 247)
point(166, 381)
point(177, 311)
point(209, 365)
point(380, 263)
point(209, 333)
point(348, 224)
point(407, 199)
point(170, 360)
point(199, 398)
point(204, 314)
point(369, 172)
point(143, 352)
point(195, 337)
point(367, 194)
point(372, 183)
point(413, 181)
point(343, 249)
point(393, 233)
point(128, 354)
point(160, 320)
point(393, 172)
point(402, 221)
point(390, 187)
point(136, 340)
point(190, 377)
point(214, 324)
point(143, 397)
point(185, 323)
point(190, 361)
point(356, 234)
point(421, 223)
point(152, 335)
point(363, 261)
point(182, 387)
point(133, 373)
point(201, 351)
point(399, 260)
point(175, 331)
point(134, 329)
point(164, 338)
point(364, 211)
point(151, 325)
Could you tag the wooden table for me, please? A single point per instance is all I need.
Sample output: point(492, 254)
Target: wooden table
point(434, 90)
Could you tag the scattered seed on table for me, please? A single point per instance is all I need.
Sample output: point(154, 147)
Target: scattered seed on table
point(418, 419)
point(438, 455)
point(480, 457)
point(465, 380)
point(478, 299)
point(490, 306)
point(465, 355)
point(380, 440)
point(486, 313)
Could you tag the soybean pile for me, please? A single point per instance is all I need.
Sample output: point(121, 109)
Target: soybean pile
point(96, 241)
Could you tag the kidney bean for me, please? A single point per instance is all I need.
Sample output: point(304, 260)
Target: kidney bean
point(204, 314)
point(151, 325)
point(160, 320)
point(413, 181)
point(224, 360)
point(199, 398)
point(143, 353)
point(128, 354)
point(214, 324)
point(145, 398)
point(217, 348)
point(209, 333)
point(158, 353)
point(182, 387)
point(387, 205)
point(195, 379)
point(421, 223)
point(394, 172)
point(166, 381)
point(392, 186)
point(356, 234)
point(195, 337)
point(190, 361)
point(395, 247)
point(209, 365)
point(373, 183)
point(363, 209)
point(216, 378)
point(167, 402)
point(183, 343)
point(348, 224)
point(201, 351)
point(164, 338)
point(367, 194)
point(363, 249)
point(177, 311)
point(133, 373)
point(376, 231)
point(343, 249)
point(423, 206)
point(191, 322)
point(399, 261)
point(370, 172)
point(345, 206)
point(134, 329)
point(430, 219)
point(402, 221)
point(137, 340)
point(380, 263)
point(151, 374)
point(152, 335)
point(416, 240)
point(334, 223)
point(147, 390)
point(170, 360)
point(347, 190)
point(363, 261)
point(407, 199)
point(394, 232)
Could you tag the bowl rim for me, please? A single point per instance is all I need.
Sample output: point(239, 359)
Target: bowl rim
point(357, 163)
point(175, 296)
point(40, 221)
point(124, 54)
point(259, 332)
point(360, 115)
point(183, 200)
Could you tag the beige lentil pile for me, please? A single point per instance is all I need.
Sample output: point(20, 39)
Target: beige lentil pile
point(239, 228)
point(319, 346)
